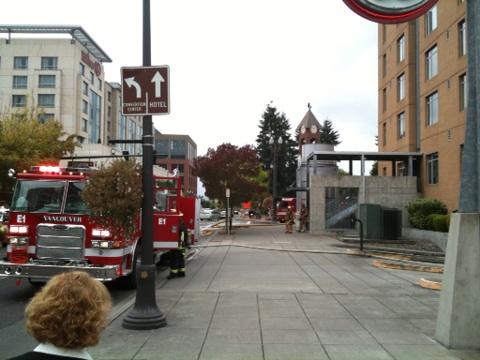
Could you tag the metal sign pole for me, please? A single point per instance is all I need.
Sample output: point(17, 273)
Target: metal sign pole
point(145, 313)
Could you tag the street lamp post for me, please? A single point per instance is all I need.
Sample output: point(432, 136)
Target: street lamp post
point(145, 314)
point(274, 142)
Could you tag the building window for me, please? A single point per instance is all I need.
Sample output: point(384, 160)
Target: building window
point(46, 100)
point(92, 78)
point(432, 168)
point(84, 106)
point(431, 20)
point(401, 124)
point(401, 48)
point(99, 84)
point(384, 65)
point(431, 62)
point(95, 115)
point(462, 38)
point(384, 99)
point(45, 117)
point(19, 100)
point(85, 88)
point(20, 62)
point(384, 133)
point(20, 82)
point(46, 81)
point(462, 86)
point(178, 149)
point(401, 87)
point(109, 96)
point(432, 108)
point(82, 69)
point(49, 63)
point(84, 125)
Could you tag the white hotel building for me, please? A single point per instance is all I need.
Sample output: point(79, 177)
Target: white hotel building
point(63, 75)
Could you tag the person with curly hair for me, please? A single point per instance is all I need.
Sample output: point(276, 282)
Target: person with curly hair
point(67, 316)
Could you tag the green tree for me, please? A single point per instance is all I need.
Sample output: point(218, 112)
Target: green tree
point(114, 195)
point(328, 135)
point(273, 126)
point(233, 167)
point(26, 141)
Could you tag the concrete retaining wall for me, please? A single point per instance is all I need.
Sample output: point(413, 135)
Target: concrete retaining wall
point(436, 237)
point(387, 191)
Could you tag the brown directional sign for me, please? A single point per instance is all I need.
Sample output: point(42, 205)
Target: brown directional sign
point(145, 90)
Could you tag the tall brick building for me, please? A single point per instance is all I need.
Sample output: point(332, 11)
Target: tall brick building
point(422, 97)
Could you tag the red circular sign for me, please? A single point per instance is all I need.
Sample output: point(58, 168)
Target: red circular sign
point(390, 11)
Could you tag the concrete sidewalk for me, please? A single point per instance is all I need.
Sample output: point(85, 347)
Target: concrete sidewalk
point(239, 302)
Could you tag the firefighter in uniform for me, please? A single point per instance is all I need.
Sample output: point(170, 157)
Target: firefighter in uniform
point(177, 259)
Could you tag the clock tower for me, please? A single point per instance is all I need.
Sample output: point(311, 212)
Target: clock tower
point(308, 131)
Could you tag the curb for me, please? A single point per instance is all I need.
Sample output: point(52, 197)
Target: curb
point(430, 284)
point(411, 267)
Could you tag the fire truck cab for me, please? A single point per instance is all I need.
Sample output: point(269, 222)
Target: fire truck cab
point(282, 207)
point(51, 230)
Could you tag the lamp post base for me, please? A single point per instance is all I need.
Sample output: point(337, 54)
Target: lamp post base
point(145, 314)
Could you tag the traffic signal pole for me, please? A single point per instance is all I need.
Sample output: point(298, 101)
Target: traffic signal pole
point(145, 314)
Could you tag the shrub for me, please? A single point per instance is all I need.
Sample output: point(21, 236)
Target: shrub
point(420, 209)
point(440, 222)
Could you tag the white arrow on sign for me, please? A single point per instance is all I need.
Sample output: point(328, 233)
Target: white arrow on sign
point(158, 79)
point(131, 82)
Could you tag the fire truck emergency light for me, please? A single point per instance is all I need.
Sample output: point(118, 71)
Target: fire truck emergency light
point(49, 169)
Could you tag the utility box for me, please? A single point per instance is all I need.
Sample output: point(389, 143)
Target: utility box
point(371, 216)
point(392, 223)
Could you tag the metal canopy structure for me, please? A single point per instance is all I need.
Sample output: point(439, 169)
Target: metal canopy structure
point(75, 31)
point(366, 156)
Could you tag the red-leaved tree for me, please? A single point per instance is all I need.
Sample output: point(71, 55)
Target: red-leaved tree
point(233, 167)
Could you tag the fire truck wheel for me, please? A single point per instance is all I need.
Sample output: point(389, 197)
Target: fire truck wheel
point(36, 283)
point(130, 281)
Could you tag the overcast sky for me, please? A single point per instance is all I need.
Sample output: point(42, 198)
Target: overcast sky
point(229, 58)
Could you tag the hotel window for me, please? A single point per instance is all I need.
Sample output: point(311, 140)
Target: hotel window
point(401, 124)
point(45, 117)
point(384, 133)
point(85, 88)
point(82, 69)
point(462, 38)
point(431, 62)
point(19, 82)
point(431, 20)
point(384, 99)
point(462, 87)
point(84, 125)
point(46, 100)
point(19, 100)
point(432, 168)
point(84, 107)
point(432, 108)
point(20, 62)
point(401, 48)
point(384, 65)
point(49, 63)
point(401, 87)
point(46, 81)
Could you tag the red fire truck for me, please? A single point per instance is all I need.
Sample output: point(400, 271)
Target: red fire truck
point(282, 207)
point(50, 229)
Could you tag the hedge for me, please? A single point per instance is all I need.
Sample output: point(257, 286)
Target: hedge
point(419, 211)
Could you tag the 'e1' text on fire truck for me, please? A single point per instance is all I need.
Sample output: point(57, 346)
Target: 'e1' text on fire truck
point(50, 229)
